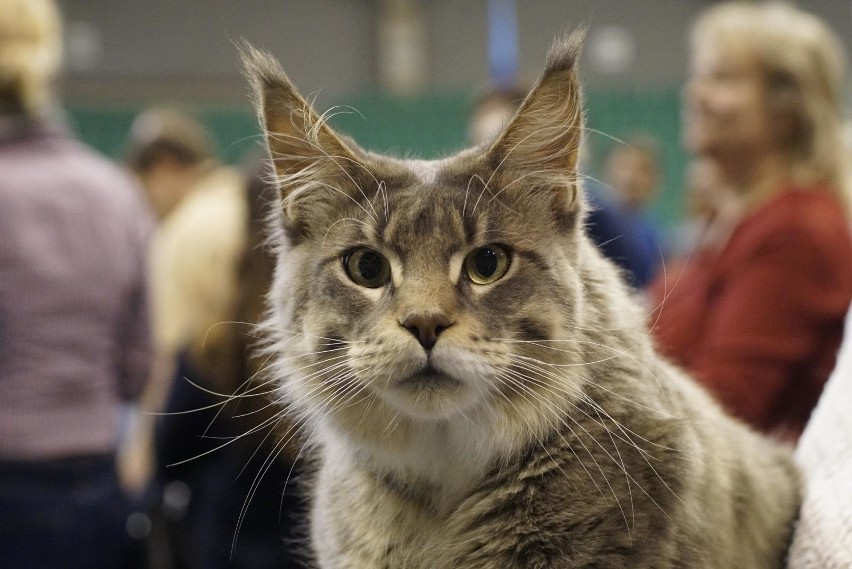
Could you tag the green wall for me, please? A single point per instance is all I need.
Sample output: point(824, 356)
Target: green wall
point(106, 128)
point(428, 127)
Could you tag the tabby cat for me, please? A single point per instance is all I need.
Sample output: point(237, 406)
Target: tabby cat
point(478, 387)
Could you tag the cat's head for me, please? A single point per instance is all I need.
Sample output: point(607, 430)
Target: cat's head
point(427, 289)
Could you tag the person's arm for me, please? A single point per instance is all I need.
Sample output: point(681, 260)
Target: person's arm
point(135, 349)
point(135, 356)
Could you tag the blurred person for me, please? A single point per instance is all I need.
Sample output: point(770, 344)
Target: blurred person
point(604, 223)
point(758, 316)
point(172, 155)
point(205, 277)
point(245, 493)
point(632, 173)
point(74, 333)
point(491, 112)
point(170, 152)
point(192, 190)
point(709, 207)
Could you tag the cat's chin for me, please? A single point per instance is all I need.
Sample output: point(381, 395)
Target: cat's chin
point(427, 379)
point(428, 394)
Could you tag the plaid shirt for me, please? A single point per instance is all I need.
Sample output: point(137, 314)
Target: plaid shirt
point(74, 331)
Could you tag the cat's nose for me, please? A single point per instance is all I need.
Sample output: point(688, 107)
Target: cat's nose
point(426, 328)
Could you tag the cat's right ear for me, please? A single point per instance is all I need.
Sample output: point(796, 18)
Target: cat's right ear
point(305, 151)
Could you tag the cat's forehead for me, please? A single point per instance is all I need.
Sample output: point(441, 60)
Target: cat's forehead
point(428, 213)
point(434, 207)
point(444, 205)
point(427, 171)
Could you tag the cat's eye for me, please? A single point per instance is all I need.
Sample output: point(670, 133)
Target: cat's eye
point(487, 264)
point(367, 267)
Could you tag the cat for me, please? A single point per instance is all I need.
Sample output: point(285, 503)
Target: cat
point(479, 389)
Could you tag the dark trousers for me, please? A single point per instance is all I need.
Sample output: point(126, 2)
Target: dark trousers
point(67, 513)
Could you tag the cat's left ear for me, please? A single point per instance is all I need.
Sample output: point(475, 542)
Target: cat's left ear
point(543, 139)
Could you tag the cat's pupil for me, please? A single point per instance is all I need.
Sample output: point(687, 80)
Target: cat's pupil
point(370, 265)
point(486, 261)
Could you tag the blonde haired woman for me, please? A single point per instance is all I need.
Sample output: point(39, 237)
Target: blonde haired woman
point(758, 315)
point(30, 54)
point(73, 316)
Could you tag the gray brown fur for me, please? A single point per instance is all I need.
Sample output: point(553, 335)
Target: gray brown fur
point(561, 439)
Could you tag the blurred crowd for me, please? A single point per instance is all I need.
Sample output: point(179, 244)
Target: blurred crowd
point(135, 427)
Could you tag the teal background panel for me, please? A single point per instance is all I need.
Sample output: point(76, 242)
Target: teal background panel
point(429, 126)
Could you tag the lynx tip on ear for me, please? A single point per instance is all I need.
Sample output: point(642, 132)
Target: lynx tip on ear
point(565, 50)
point(260, 68)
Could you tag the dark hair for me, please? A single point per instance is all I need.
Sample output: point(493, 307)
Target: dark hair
point(160, 134)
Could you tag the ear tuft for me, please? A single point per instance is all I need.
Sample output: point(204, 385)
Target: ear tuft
point(565, 51)
point(265, 76)
point(259, 67)
point(542, 141)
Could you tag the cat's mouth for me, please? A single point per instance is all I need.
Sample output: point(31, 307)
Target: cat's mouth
point(431, 378)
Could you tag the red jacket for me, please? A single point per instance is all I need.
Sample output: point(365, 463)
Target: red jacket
point(759, 322)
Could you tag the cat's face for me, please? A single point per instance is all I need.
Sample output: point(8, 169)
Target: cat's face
point(427, 289)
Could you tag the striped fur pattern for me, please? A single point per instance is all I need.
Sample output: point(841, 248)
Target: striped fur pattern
point(540, 429)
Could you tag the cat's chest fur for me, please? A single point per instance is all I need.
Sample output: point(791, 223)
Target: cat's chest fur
point(366, 517)
point(429, 469)
point(561, 494)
